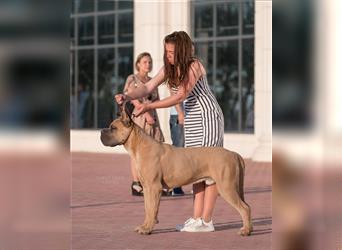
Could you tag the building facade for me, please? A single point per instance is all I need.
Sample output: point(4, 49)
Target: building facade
point(232, 38)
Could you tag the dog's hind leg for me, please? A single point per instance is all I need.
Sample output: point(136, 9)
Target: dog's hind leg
point(232, 195)
point(242, 167)
point(152, 196)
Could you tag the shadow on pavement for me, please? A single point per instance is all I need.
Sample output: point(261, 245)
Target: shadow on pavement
point(231, 225)
point(168, 198)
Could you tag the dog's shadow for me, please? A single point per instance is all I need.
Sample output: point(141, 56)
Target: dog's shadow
point(249, 190)
point(231, 225)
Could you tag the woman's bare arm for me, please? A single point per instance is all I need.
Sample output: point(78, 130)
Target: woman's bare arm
point(180, 112)
point(169, 101)
point(176, 98)
point(145, 89)
point(179, 109)
point(129, 81)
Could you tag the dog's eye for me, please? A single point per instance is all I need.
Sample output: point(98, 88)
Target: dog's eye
point(112, 127)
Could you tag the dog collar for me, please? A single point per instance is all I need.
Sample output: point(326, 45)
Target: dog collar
point(125, 140)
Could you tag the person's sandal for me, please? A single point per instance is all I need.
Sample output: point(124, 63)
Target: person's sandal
point(137, 189)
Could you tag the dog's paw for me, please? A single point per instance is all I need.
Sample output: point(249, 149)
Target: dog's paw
point(137, 228)
point(244, 231)
point(143, 230)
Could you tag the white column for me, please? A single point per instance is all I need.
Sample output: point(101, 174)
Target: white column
point(153, 20)
point(263, 80)
point(333, 39)
point(150, 28)
point(329, 69)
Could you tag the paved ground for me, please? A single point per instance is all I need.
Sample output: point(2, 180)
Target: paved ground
point(104, 213)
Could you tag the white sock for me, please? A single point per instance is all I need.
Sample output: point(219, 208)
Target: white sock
point(206, 223)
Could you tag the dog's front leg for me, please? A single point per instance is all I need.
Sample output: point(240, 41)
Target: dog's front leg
point(152, 199)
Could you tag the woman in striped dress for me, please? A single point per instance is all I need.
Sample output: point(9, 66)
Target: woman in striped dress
point(203, 123)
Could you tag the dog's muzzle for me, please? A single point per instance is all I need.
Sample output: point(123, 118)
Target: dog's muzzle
point(105, 137)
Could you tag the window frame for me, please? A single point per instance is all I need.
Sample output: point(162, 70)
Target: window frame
point(75, 48)
point(214, 39)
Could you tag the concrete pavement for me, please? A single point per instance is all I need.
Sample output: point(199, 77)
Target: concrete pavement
point(104, 213)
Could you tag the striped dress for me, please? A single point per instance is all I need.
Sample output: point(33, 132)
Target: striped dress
point(203, 122)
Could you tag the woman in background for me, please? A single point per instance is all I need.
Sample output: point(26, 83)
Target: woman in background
point(149, 120)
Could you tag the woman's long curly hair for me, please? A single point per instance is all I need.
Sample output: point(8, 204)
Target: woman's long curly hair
point(178, 72)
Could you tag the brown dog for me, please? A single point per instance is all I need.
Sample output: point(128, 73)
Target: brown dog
point(162, 165)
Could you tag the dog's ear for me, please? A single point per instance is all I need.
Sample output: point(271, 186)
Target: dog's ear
point(126, 113)
point(129, 108)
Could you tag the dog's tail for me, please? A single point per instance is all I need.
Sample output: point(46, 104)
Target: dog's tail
point(241, 177)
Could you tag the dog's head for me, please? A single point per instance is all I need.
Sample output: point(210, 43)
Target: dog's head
point(119, 129)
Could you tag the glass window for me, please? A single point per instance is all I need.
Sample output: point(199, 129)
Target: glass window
point(85, 88)
point(126, 27)
point(106, 5)
point(83, 6)
point(106, 29)
point(125, 66)
point(73, 106)
point(204, 51)
point(247, 85)
point(86, 31)
point(218, 44)
point(72, 6)
point(127, 4)
point(227, 19)
point(106, 87)
point(227, 83)
point(113, 48)
point(72, 31)
point(248, 17)
point(203, 21)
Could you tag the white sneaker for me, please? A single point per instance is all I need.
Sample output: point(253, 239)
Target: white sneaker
point(199, 226)
point(209, 226)
point(188, 222)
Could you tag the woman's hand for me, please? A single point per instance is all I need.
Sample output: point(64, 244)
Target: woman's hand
point(141, 109)
point(120, 98)
point(181, 118)
point(149, 118)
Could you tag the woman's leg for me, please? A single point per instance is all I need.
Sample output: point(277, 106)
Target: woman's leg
point(210, 195)
point(198, 189)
